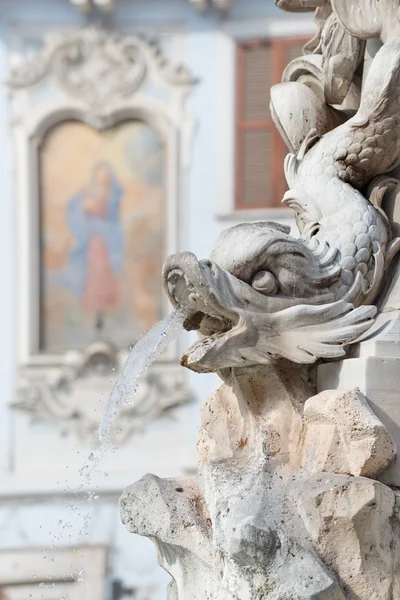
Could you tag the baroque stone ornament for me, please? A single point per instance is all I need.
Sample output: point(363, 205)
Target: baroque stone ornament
point(54, 395)
point(96, 66)
point(296, 491)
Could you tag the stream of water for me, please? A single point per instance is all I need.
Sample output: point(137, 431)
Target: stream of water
point(142, 355)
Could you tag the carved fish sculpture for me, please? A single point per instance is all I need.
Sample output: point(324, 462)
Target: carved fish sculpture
point(264, 293)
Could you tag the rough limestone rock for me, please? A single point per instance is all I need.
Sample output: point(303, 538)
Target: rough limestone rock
point(233, 418)
point(342, 435)
point(226, 554)
point(395, 521)
point(175, 518)
point(255, 524)
point(350, 523)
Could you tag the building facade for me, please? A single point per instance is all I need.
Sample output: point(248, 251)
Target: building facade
point(129, 131)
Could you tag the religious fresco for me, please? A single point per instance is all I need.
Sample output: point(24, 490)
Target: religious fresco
point(101, 221)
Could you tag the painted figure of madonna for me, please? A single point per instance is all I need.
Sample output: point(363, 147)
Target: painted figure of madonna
point(102, 223)
point(96, 260)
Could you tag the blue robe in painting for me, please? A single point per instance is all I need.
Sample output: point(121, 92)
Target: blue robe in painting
point(83, 226)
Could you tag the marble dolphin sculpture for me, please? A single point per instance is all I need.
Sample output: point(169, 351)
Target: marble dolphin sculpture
point(264, 293)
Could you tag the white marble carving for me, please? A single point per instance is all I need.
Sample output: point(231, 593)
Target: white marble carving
point(99, 77)
point(292, 498)
point(305, 294)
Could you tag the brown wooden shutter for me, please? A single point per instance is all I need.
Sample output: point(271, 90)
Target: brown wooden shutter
point(260, 152)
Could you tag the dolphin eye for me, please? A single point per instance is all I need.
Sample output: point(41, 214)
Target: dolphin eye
point(265, 282)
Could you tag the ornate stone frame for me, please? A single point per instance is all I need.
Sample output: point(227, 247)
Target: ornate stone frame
point(101, 78)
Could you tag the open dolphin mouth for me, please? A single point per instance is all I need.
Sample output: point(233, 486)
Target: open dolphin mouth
point(207, 324)
point(196, 286)
point(205, 312)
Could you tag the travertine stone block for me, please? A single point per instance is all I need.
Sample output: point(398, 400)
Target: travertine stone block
point(342, 435)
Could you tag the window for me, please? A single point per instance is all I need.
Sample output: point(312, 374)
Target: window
point(260, 151)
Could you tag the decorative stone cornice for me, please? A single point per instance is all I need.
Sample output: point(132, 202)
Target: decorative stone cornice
point(97, 66)
point(86, 6)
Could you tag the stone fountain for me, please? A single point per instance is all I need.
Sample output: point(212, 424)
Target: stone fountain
point(295, 496)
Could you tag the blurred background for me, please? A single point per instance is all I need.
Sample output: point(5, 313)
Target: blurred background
point(129, 130)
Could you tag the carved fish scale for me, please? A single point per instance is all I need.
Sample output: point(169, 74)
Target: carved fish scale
point(326, 177)
point(264, 293)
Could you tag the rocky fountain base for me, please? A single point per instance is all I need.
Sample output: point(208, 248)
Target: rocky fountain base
point(286, 503)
